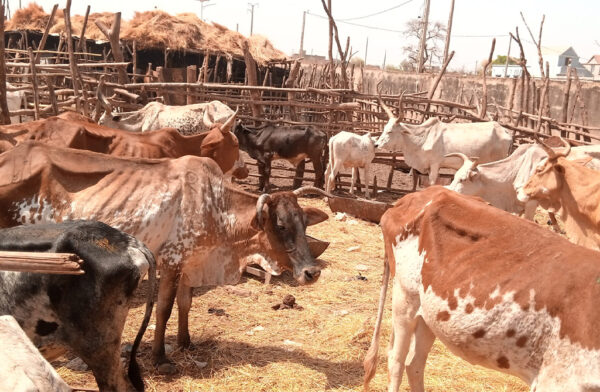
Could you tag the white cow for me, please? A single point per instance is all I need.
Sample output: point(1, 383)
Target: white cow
point(348, 150)
point(22, 366)
point(499, 182)
point(187, 119)
point(15, 101)
point(425, 146)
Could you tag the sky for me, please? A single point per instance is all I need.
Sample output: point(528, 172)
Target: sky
point(568, 23)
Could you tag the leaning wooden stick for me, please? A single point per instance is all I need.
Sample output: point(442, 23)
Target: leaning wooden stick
point(47, 263)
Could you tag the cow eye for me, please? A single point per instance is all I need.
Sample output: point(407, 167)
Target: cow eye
point(281, 228)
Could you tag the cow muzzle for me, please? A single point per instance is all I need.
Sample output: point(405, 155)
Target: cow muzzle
point(308, 275)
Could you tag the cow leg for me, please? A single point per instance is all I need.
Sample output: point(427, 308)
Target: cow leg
point(433, 174)
point(367, 173)
point(167, 289)
point(424, 339)
point(318, 167)
point(404, 309)
point(299, 174)
point(353, 180)
point(184, 303)
point(262, 176)
point(415, 178)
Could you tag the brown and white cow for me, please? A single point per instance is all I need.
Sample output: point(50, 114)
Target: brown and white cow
point(73, 130)
point(202, 229)
point(572, 190)
point(497, 290)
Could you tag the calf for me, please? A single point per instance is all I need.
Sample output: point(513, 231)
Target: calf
point(84, 312)
point(497, 290)
point(348, 150)
point(570, 189)
point(291, 144)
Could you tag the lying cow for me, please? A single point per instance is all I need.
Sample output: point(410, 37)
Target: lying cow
point(202, 229)
point(570, 189)
point(497, 290)
point(426, 146)
point(22, 366)
point(187, 119)
point(83, 312)
point(291, 144)
point(76, 131)
point(348, 150)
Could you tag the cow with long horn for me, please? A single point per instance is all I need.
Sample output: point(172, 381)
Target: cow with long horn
point(426, 146)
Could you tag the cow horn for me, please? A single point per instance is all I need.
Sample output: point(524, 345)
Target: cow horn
point(311, 189)
point(551, 153)
point(465, 158)
point(229, 123)
point(263, 199)
point(387, 110)
point(101, 98)
point(564, 152)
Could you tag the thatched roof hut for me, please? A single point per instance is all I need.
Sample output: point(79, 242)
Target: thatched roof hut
point(155, 30)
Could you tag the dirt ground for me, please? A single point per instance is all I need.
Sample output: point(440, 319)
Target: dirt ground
point(242, 344)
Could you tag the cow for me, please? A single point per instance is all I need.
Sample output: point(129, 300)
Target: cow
point(187, 119)
point(76, 131)
point(202, 229)
point(348, 150)
point(83, 312)
point(497, 290)
point(22, 366)
point(425, 146)
point(291, 144)
point(15, 100)
point(498, 182)
point(571, 190)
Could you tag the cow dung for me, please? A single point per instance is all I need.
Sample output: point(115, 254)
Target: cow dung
point(289, 302)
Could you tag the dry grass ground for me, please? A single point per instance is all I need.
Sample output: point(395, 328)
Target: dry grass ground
point(319, 348)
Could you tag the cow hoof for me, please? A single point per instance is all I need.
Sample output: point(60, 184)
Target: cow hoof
point(167, 368)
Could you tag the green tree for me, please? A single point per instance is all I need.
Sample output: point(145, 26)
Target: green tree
point(502, 60)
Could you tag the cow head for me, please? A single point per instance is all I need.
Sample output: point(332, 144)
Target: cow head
point(391, 138)
point(465, 178)
point(243, 134)
point(282, 223)
point(546, 183)
point(222, 146)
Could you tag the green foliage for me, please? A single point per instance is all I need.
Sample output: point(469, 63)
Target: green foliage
point(502, 60)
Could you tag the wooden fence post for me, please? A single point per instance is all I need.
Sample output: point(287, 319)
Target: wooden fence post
point(5, 115)
point(191, 78)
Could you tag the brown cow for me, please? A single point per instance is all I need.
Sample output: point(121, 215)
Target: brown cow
point(76, 131)
point(572, 190)
point(202, 229)
point(497, 290)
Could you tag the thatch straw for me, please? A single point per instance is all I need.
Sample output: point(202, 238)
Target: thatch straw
point(31, 17)
point(156, 30)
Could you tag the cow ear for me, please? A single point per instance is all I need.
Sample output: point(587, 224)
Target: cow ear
point(312, 216)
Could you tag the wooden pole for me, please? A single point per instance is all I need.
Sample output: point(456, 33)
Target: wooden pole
point(565, 105)
point(252, 79)
point(449, 30)
point(301, 51)
point(330, 49)
point(5, 115)
point(113, 37)
point(82, 46)
point(34, 81)
point(72, 60)
point(45, 35)
point(421, 63)
point(191, 78)
point(542, 100)
point(485, 68)
point(38, 262)
point(507, 57)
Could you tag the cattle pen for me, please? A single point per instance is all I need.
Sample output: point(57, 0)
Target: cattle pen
point(247, 337)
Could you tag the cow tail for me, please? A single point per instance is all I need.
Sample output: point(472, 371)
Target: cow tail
point(134, 370)
point(370, 362)
point(328, 160)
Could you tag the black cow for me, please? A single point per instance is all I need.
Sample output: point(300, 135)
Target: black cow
point(84, 312)
point(291, 144)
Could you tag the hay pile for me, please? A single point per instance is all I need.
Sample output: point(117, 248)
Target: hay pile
point(155, 30)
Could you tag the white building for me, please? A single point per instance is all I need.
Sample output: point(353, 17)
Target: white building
point(593, 65)
point(558, 58)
